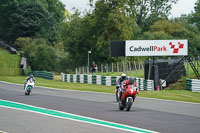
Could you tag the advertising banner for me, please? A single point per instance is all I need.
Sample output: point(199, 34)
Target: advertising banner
point(156, 47)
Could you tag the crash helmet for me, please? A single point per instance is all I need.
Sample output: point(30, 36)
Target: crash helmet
point(131, 80)
point(31, 76)
point(123, 75)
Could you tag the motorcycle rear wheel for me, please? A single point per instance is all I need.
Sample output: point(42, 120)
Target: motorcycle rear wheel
point(117, 98)
point(121, 107)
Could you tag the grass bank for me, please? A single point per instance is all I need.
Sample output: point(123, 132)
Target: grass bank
point(60, 84)
point(9, 63)
point(168, 94)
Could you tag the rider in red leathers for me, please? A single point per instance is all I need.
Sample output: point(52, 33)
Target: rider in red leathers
point(130, 81)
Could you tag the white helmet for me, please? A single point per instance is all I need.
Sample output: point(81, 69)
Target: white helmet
point(123, 75)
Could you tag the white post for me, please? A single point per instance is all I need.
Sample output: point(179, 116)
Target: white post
point(89, 52)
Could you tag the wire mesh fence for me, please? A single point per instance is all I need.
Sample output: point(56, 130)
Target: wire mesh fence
point(112, 67)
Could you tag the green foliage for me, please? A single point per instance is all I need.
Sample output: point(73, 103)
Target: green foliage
point(20, 43)
point(158, 35)
point(32, 20)
point(40, 56)
point(196, 15)
point(165, 29)
point(78, 38)
point(45, 59)
point(150, 11)
point(7, 7)
point(55, 8)
point(110, 20)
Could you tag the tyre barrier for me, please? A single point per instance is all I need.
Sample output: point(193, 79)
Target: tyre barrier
point(193, 85)
point(44, 74)
point(147, 85)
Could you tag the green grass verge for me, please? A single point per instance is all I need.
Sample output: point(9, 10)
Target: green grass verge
point(181, 84)
point(9, 63)
point(168, 94)
point(60, 84)
point(178, 95)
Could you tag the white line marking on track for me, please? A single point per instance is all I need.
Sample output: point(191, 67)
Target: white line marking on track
point(99, 124)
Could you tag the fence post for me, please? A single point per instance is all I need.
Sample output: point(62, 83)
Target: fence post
point(101, 68)
point(123, 66)
point(142, 65)
point(79, 70)
point(106, 67)
point(82, 70)
point(135, 65)
point(117, 67)
point(139, 65)
point(112, 67)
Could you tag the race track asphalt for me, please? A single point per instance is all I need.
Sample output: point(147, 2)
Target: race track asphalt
point(156, 115)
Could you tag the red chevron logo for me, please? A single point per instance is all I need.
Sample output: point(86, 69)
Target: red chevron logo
point(176, 49)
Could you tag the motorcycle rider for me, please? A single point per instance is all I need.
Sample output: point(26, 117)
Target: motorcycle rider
point(27, 79)
point(118, 86)
point(130, 81)
point(122, 78)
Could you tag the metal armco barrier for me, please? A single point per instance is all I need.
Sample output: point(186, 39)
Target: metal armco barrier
point(8, 47)
point(193, 85)
point(142, 84)
point(22, 65)
point(44, 74)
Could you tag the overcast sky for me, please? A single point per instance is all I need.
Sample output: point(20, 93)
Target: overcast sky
point(182, 7)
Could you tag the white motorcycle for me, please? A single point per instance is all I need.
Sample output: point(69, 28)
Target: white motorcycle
point(29, 86)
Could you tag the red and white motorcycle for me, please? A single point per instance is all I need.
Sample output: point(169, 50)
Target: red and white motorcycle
point(127, 97)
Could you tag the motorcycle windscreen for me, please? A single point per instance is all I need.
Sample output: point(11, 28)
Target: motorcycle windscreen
point(31, 80)
point(133, 87)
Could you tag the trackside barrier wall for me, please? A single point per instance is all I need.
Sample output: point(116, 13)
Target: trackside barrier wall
point(193, 85)
point(74, 78)
point(44, 74)
point(105, 80)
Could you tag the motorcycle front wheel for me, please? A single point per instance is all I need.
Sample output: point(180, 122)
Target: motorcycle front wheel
point(129, 103)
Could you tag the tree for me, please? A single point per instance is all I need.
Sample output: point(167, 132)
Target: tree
point(78, 37)
point(165, 29)
point(110, 20)
point(114, 20)
point(7, 7)
point(47, 55)
point(150, 11)
point(32, 20)
point(55, 7)
point(196, 15)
